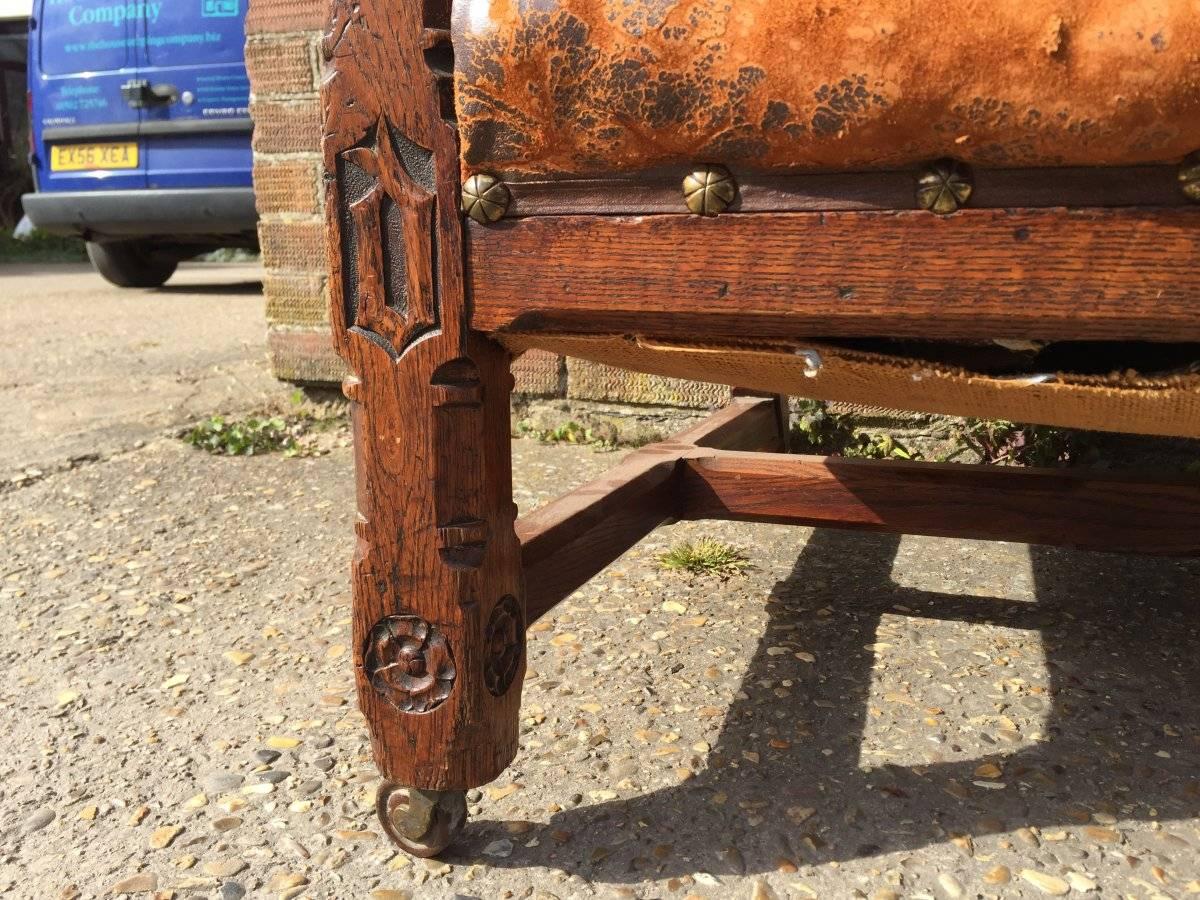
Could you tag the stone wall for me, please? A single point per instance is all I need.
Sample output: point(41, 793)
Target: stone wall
point(284, 61)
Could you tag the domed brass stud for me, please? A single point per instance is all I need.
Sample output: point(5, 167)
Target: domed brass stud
point(709, 190)
point(1189, 177)
point(485, 198)
point(944, 187)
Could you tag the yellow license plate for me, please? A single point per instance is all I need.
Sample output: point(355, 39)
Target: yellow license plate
point(80, 157)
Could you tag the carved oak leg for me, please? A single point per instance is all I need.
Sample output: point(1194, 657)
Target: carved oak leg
point(439, 618)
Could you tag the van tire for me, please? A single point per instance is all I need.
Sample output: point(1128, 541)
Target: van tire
point(129, 264)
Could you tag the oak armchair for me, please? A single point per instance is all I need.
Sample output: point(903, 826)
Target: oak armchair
point(974, 208)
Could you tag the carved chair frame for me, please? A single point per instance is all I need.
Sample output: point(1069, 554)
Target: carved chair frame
point(426, 304)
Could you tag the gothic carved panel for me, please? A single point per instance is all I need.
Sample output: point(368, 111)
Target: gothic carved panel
point(387, 208)
point(409, 662)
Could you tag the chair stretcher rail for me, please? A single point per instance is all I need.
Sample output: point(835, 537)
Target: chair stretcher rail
point(570, 540)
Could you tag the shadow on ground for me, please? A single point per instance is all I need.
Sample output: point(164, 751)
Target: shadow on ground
point(1121, 649)
point(227, 288)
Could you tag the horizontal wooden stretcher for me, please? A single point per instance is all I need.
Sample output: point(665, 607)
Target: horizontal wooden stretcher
point(975, 208)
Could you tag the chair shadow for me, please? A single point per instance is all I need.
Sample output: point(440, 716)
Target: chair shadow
point(1121, 663)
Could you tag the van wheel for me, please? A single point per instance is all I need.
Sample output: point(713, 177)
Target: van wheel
point(131, 265)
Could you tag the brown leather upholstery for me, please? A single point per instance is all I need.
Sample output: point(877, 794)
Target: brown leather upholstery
point(602, 86)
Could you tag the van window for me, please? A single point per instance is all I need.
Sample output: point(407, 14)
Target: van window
point(88, 35)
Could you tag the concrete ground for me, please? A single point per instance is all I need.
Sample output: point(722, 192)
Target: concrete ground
point(88, 369)
point(857, 716)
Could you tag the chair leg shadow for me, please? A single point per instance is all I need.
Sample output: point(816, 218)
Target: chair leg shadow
point(823, 782)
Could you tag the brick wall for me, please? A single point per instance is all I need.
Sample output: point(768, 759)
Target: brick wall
point(284, 62)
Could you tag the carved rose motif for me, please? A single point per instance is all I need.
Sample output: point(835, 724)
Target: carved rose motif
point(505, 640)
point(410, 663)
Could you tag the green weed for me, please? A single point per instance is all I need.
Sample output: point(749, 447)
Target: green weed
point(568, 433)
point(41, 248)
point(998, 442)
point(603, 434)
point(243, 437)
point(818, 429)
point(705, 557)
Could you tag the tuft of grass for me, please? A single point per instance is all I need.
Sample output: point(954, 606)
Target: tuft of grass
point(707, 556)
point(243, 437)
point(604, 435)
point(568, 433)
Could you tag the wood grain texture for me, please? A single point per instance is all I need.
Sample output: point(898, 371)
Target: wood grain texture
point(698, 474)
point(1066, 508)
point(437, 636)
point(748, 422)
point(1122, 274)
point(571, 539)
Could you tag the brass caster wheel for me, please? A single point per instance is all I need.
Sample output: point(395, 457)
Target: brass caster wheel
point(424, 823)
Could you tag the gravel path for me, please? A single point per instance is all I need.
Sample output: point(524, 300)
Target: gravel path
point(858, 716)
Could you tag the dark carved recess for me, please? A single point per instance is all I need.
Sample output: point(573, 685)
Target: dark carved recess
point(438, 52)
point(388, 215)
point(354, 183)
point(436, 13)
point(504, 642)
point(457, 383)
point(409, 663)
point(417, 161)
point(463, 542)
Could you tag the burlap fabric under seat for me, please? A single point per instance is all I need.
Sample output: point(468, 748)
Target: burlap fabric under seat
point(1122, 402)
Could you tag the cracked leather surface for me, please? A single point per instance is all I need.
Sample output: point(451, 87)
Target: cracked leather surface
point(586, 87)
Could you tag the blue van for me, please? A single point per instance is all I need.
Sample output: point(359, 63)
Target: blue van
point(140, 131)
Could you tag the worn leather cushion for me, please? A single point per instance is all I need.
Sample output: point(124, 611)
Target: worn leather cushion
point(601, 86)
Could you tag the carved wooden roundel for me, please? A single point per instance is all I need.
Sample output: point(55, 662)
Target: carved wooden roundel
point(409, 663)
point(505, 641)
